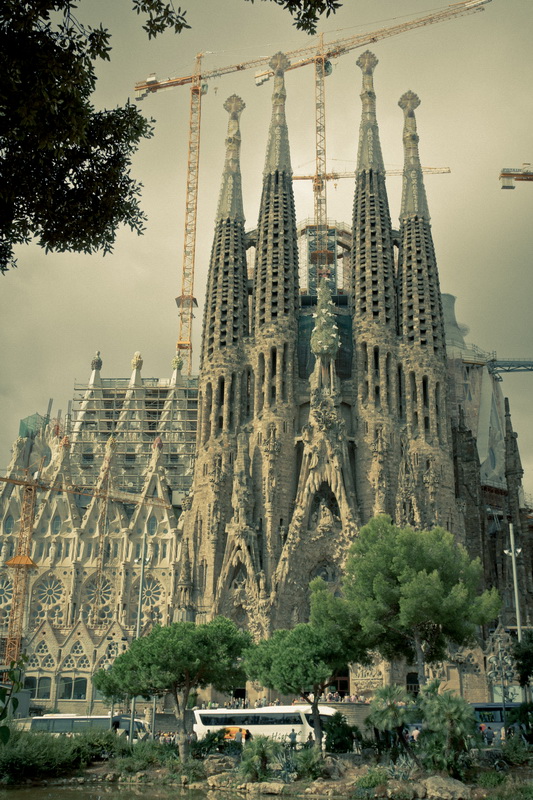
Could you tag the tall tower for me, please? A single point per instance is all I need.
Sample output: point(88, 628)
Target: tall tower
point(223, 387)
point(374, 310)
point(426, 494)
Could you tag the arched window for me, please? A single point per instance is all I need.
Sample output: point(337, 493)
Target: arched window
point(56, 524)
point(9, 524)
point(151, 525)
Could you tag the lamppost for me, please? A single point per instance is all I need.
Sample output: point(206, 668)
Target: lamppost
point(502, 671)
point(514, 552)
point(138, 625)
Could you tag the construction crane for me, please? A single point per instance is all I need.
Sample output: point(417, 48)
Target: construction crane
point(320, 55)
point(21, 563)
point(334, 176)
point(508, 176)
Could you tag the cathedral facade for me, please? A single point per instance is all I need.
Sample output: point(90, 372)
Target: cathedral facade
point(325, 397)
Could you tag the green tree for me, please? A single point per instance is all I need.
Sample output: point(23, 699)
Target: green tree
point(8, 701)
point(306, 660)
point(64, 166)
point(415, 591)
point(178, 659)
point(390, 710)
point(523, 656)
point(448, 726)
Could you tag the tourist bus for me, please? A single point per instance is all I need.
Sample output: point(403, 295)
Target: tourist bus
point(273, 721)
point(491, 714)
point(78, 723)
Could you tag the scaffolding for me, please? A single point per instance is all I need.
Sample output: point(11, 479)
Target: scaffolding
point(135, 416)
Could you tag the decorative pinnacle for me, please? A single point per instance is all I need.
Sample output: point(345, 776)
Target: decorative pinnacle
point(96, 363)
point(234, 105)
point(230, 198)
point(136, 361)
point(414, 202)
point(367, 61)
point(177, 362)
point(325, 337)
point(369, 155)
point(279, 63)
point(408, 102)
point(278, 154)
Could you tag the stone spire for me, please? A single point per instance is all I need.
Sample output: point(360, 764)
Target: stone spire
point(278, 155)
point(226, 307)
point(230, 199)
point(369, 155)
point(414, 201)
point(373, 278)
point(421, 320)
point(276, 266)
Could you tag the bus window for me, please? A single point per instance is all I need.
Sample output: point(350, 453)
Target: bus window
point(60, 725)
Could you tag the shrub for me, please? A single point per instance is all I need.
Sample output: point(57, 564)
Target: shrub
point(374, 777)
point(192, 768)
point(489, 780)
point(145, 755)
point(339, 735)
point(258, 755)
point(515, 750)
point(309, 764)
point(211, 743)
point(513, 790)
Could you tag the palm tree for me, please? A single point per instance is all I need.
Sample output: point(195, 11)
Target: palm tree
point(390, 710)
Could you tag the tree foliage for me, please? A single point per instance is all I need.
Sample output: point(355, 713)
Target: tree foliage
point(415, 591)
point(8, 701)
point(523, 656)
point(305, 660)
point(65, 166)
point(177, 659)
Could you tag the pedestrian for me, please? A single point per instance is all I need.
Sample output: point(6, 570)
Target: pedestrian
point(238, 736)
point(489, 736)
point(292, 739)
point(310, 740)
point(416, 734)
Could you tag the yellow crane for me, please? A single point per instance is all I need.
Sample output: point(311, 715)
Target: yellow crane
point(320, 55)
point(508, 176)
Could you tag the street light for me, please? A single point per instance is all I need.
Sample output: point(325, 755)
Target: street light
point(138, 625)
point(514, 552)
point(502, 671)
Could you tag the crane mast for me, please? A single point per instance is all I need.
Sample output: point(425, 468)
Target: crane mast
point(319, 55)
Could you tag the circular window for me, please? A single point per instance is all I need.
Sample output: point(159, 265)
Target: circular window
point(6, 590)
point(50, 591)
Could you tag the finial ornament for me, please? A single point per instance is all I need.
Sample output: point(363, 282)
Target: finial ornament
point(96, 363)
point(367, 61)
point(177, 362)
point(325, 337)
point(136, 361)
point(234, 104)
point(408, 102)
point(65, 442)
point(279, 62)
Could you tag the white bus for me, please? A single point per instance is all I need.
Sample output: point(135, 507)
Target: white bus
point(75, 723)
point(274, 721)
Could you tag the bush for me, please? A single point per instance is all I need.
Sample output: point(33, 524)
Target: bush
point(212, 742)
point(42, 755)
point(374, 777)
point(258, 755)
point(148, 754)
point(489, 780)
point(192, 768)
point(339, 735)
point(515, 750)
point(513, 790)
point(309, 764)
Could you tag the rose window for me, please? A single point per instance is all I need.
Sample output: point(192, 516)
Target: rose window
point(6, 590)
point(151, 592)
point(49, 591)
point(47, 602)
point(99, 593)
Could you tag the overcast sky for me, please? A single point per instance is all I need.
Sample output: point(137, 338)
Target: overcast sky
point(474, 76)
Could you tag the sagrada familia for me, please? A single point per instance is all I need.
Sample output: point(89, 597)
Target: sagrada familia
point(323, 399)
